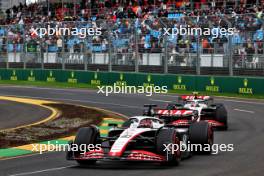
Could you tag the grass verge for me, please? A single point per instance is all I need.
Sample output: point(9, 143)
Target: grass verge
point(47, 84)
point(71, 118)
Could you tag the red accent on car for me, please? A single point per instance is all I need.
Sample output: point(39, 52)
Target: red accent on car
point(145, 156)
point(174, 112)
point(215, 123)
point(192, 97)
point(181, 122)
point(94, 154)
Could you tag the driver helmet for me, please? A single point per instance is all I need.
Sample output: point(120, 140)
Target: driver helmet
point(146, 123)
point(195, 104)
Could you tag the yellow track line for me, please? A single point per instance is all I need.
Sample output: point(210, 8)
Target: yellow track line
point(54, 112)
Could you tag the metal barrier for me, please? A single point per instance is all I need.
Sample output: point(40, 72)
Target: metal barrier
point(132, 43)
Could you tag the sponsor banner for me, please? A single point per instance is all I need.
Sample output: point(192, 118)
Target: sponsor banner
point(215, 84)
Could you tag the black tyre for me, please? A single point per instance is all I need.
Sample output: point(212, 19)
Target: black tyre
point(69, 153)
point(185, 153)
point(168, 136)
point(202, 136)
point(86, 135)
point(221, 115)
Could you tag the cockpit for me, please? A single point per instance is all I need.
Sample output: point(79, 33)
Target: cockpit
point(146, 122)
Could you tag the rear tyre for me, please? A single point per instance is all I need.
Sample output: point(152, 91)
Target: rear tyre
point(221, 115)
point(167, 136)
point(86, 136)
point(201, 133)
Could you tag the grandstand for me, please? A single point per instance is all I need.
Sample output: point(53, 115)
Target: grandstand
point(132, 39)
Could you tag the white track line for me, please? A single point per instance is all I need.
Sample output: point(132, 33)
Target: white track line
point(40, 171)
point(242, 110)
point(222, 98)
point(75, 100)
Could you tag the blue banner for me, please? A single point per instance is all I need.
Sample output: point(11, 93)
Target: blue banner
point(176, 16)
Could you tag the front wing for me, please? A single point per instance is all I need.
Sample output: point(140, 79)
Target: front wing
point(133, 155)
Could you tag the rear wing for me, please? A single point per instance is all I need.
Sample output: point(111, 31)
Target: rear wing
point(194, 97)
point(166, 112)
point(171, 115)
point(150, 109)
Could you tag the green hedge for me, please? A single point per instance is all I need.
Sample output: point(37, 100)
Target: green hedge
point(225, 84)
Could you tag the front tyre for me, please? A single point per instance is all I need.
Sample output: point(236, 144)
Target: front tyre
point(167, 136)
point(86, 136)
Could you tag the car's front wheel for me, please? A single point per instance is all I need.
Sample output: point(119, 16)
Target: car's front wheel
point(86, 136)
point(168, 137)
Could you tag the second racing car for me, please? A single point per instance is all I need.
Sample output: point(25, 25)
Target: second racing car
point(213, 113)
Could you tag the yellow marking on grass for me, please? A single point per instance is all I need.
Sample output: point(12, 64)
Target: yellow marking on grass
point(27, 147)
point(104, 124)
point(114, 119)
point(103, 131)
point(54, 114)
point(37, 147)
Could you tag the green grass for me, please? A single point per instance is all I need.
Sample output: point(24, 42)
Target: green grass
point(87, 86)
point(47, 84)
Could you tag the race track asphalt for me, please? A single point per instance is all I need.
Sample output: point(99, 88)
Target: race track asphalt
point(246, 132)
point(14, 114)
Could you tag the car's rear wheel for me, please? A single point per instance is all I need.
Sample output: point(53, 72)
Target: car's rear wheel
point(86, 136)
point(167, 136)
point(201, 137)
point(221, 115)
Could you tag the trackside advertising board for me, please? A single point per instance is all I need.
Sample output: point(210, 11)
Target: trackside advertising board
point(221, 84)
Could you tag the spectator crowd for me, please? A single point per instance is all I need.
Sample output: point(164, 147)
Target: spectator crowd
point(128, 25)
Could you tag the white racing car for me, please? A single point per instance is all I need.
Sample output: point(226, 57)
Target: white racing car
point(141, 138)
point(213, 113)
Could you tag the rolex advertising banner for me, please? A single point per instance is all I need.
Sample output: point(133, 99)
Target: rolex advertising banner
point(220, 84)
